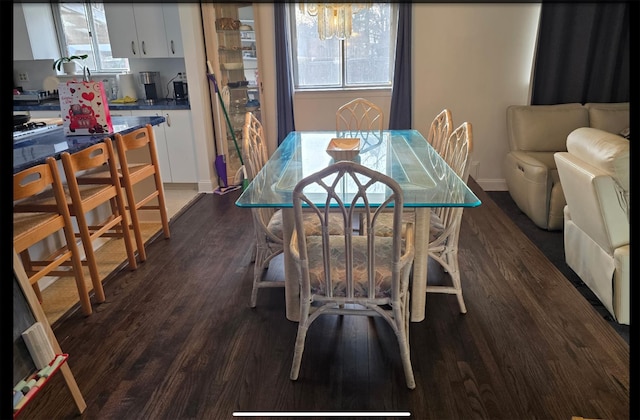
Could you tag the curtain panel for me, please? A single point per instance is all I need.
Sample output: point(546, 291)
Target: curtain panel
point(400, 110)
point(582, 53)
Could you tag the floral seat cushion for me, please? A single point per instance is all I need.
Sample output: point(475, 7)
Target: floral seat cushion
point(311, 224)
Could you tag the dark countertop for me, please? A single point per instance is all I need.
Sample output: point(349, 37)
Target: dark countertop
point(35, 150)
point(54, 105)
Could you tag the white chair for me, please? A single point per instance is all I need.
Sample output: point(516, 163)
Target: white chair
point(440, 130)
point(358, 118)
point(445, 222)
point(267, 222)
point(350, 274)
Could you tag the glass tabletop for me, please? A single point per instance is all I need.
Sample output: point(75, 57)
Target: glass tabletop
point(405, 155)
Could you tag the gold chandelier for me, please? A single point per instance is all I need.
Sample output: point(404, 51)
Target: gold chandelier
point(334, 19)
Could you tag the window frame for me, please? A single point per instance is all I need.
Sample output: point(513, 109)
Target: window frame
point(344, 86)
point(95, 65)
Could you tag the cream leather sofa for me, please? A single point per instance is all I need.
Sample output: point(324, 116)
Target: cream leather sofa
point(535, 133)
point(594, 173)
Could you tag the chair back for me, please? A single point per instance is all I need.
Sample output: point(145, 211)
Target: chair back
point(254, 146)
point(440, 130)
point(456, 154)
point(347, 273)
point(358, 117)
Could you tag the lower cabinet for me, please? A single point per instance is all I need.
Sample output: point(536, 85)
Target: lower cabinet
point(176, 151)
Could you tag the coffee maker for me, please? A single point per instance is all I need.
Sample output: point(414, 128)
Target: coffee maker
point(149, 81)
point(180, 92)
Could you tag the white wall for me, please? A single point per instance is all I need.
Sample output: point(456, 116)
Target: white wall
point(474, 59)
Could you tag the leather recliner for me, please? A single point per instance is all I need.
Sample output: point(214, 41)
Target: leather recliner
point(595, 177)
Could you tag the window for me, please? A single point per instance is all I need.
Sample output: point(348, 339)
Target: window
point(366, 59)
point(82, 29)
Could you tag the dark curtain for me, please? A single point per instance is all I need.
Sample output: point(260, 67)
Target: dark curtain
point(582, 53)
point(400, 111)
point(284, 81)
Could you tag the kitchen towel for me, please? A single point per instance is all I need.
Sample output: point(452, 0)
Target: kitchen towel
point(127, 85)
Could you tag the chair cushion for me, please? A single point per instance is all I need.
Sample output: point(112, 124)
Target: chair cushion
point(384, 226)
point(311, 224)
point(611, 117)
point(383, 273)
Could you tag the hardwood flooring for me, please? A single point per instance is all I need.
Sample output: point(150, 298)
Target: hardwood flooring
point(176, 338)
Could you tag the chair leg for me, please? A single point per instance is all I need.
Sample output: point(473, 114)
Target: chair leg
point(299, 349)
point(164, 217)
point(455, 279)
point(90, 258)
point(135, 222)
point(258, 272)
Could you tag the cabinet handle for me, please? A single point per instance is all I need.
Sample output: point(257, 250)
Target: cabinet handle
point(133, 48)
point(173, 50)
point(168, 119)
point(144, 50)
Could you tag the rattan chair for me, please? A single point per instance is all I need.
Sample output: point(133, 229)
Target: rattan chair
point(35, 225)
point(440, 130)
point(350, 274)
point(445, 222)
point(267, 222)
point(359, 118)
point(138, 165)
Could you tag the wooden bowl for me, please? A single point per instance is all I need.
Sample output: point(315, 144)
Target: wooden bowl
point(343, 148)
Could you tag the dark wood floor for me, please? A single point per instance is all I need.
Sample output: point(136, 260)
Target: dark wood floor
point(176, 338)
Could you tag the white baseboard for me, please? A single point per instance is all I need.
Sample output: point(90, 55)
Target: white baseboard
point(493, 184)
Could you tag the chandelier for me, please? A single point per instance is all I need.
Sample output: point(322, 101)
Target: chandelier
point(334, 19)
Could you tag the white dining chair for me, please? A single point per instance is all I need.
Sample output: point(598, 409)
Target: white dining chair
point(350, 274)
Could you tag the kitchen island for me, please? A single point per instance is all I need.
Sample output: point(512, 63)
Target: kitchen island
point(34, 150)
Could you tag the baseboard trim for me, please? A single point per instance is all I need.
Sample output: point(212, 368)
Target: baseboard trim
point(493, 184)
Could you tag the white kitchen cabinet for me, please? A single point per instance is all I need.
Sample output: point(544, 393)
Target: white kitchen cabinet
point(172, 29)
point(34, 35)
point(176, 150)
point(139, 30)
point(44, 114)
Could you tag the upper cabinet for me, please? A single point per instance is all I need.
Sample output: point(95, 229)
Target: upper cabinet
point(34, 35)
point(144, 30)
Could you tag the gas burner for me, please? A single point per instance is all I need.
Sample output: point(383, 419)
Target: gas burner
point(29, 126)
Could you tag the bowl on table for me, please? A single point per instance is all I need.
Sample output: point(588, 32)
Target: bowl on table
point(343, 148)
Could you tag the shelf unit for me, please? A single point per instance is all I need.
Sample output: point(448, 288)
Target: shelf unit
point(234, 37)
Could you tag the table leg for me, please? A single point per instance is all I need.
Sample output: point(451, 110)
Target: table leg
point(420, 263)
point(292, 286)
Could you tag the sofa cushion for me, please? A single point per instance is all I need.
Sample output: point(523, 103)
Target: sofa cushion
point(544, 128)
point(611, 117)
point(603, 150)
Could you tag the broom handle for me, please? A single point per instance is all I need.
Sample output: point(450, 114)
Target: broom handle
point(212, 77)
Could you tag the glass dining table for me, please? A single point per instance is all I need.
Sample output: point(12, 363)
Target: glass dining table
point(405, 155)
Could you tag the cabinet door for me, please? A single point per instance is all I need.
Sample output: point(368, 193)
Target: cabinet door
point(34, 36)
point(172, 29)
point(180, 147)
point(150, 27)
point(121, 25)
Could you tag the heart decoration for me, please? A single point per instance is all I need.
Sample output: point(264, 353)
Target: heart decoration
point(88, 96)
point(99, 103)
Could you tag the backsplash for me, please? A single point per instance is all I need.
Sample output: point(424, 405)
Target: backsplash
point(38, 70)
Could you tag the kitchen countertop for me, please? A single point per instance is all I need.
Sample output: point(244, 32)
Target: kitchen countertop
point(34, 150)
point(141, 104)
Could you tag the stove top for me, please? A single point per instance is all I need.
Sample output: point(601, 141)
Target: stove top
point(35, 96)
point(32, 128)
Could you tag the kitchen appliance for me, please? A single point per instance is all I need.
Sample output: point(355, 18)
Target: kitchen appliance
point(149, 81)
point(35, 97)
point(26, 128)
point(127, 86)
point(180, 92)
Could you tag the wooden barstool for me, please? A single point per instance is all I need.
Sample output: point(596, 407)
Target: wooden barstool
point(33, 225)
point(90, 197)
point(138, 162)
